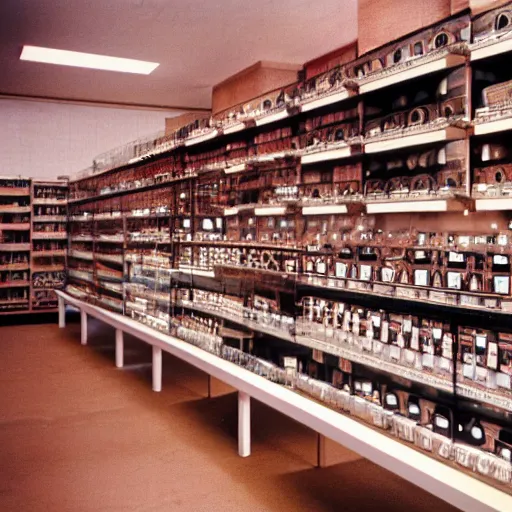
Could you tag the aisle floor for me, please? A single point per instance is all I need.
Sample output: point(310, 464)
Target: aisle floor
point(77, 434)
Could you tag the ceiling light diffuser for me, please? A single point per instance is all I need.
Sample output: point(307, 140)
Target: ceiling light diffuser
point(86, 60)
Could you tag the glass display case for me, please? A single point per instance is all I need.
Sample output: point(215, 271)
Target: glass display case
point(147, 289)
point(353, 247)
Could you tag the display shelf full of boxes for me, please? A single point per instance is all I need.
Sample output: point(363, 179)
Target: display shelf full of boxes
point(15, 226)
point(352, 230)
point(33, 227)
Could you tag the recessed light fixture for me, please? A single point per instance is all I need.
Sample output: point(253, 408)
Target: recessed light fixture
point(86, 60)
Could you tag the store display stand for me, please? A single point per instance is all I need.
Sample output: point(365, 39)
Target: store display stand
point(38, 220)
point(449, 484)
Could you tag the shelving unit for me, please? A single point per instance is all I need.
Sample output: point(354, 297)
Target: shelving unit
point(14, 244)
point(49, 231)
point(34, 219)
point(348, 235)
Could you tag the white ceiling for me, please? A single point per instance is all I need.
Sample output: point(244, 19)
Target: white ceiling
point(197, 42)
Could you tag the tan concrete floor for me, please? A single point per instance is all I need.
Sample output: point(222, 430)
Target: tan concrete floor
point(76, 434)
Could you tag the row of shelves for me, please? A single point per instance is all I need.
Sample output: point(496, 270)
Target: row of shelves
point(331, 358)
point(460, 270)
point(154, 271)
point(348, 236)
point(453, 44)
point(33, 219)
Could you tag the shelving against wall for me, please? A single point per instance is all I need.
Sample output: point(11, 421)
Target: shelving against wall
point(348, 236)
point(15, 218)
point(49, 242)
point(33, 239)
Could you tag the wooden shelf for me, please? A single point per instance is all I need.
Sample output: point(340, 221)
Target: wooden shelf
point(44, 254)
point(110, 218)
point(49, 218)
point(328, 154)
point(413, 71)
point(118, 193)
point(326, 209)
point(272, 118)
point(329, 99)
point(49, 201)
point(15, 266)
point(79, 238)
point(493, 204)
point(50, 183)
point(14, 191)
point(491, 49)
point(234, 128)
point(229, 212)
point(49, 235)
point(111, 258)
point(266, 211)
point(117, 240)
point(15, 226)
point(14, 301)
point(14, 209)
point(495, 126)
point(48, 268)
point(191, 141)
point(405, 141)
point(416, 205)
point(81, 255)
point(15, 284)
point(14, 247)
point(192, 272)
point(235, 168)
point(81, 218)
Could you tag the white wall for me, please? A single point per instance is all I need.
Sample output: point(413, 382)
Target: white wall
point(45, 140)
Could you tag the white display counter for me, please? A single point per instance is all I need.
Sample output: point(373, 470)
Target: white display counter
point(449, 484)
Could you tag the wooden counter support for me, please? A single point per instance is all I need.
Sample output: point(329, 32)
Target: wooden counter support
point(119, 348)
point(244, 424)
point(157, 369)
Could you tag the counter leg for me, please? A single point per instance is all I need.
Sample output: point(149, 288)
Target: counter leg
point(62, 313)
point(321, 458)
point(83, 322)
point(244, 424)
point(119, 348)
point(157, 369)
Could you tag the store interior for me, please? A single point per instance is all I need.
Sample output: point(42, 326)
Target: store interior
point(271, 268)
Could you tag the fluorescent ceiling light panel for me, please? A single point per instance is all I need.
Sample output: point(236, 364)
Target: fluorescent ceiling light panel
point(86, 60)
